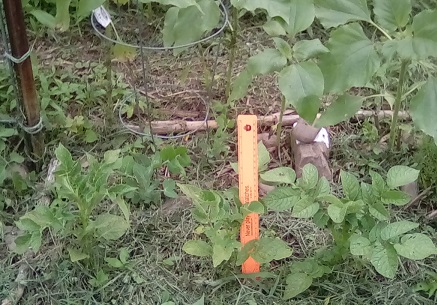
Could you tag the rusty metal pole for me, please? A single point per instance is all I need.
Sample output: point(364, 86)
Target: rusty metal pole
point(19, 47)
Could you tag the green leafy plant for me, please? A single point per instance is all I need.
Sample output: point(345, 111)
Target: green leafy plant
point(429, 286)
point(220, 216)
point(77, 213)
point(360, 221)
point(352, 57)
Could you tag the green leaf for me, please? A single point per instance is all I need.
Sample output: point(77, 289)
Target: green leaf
point(392, 14)
point(333, 13)
point(197, 248)
point(123, 207)
point(281, 199)
point(395, 197)
point(361, 246)
point(111, 156)
point(283, 47)
point(284, 175)
point(62, 17)
point(221, 253)
point(76, 255)
point(378, 211)
point(350, 184)
point(308, 108)
point(298, 81)
point(240, 85)
point(124, 255)
point(310, 177)
point(114, 262)
point(342, 109)
point(305, 208)
point(64, 156)
point(337, 212)
point(400, 175)
point(265, 62)
point(423, 108)
point(200, 301)
point(323, 188)
point(275, 27)
point(269, 249)
point(385, 260)
point(398, 228)
point(263, 157)
point(123, 53)
point(423, 42)
point(91, 136)
point(44, 18)
point(22, 243)
point(178, 25)
point(110, 227)
point(252, 207)
point(306, 49)
point(7, 132)
point(169, 186)
point(416, 246)
point(274, 8)
point(85, 7)
point(302, 13)
point(352, 60)
point(378, 183)
point(296, 284)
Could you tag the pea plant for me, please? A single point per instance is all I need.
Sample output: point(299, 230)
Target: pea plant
point(360, 221)
point(394, 42)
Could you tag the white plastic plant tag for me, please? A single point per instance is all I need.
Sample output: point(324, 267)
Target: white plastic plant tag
point(102, 16)
point(322, 137)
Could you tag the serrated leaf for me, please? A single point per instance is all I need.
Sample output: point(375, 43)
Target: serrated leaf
point(385, 260)
point(400, 175)
point(361, 246)
point(423, 108)
point(265, 62)
point(342, 109)
point(352, 60)
point(281, 199)
point(306, 49)
point(397, 228)
point(416, 246)
point(395, 197)
point(392, 14)
point(305, 208)
point(350, 184)
point(296, 284)
point(298, 81)
point(197, 248)
point(76, 255)
point(281, 175)
point(333, 13)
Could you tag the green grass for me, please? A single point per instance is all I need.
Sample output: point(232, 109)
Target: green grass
point(160, 271)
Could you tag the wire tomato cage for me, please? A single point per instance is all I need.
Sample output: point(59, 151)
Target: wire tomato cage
point(145, 37)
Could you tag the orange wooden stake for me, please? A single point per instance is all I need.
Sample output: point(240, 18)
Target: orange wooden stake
point(248, 181)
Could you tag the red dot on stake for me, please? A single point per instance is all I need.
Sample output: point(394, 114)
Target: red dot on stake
point(247, 127)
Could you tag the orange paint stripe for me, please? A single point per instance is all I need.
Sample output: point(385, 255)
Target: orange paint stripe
point(248, 181)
